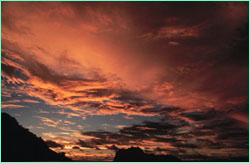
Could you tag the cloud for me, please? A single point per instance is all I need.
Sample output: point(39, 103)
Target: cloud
point(31, 101)
point(11, 106)
point(8, 70)
point(76, 147)
point(178, 22)
point(84, 144)
point(173, 43)
point(152, 128)
point(53, 144)
point(138, 135)
point(166, 61)
point(98, 94)
point(179, 137)
point(80, 127)
point(68, 122)
point(49, 122)
point(214, 135)
point(170, 32)
point(113, 147)
point(185, 145)
point(202, 116)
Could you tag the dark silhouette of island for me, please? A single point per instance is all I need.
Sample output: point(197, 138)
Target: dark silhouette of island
point(136, 154)
point(20, 145)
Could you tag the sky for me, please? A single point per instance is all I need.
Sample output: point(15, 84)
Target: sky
point(91, 78)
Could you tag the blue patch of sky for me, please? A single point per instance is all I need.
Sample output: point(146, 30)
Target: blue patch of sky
point(27, 116)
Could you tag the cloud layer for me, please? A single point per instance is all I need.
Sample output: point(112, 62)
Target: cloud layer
point(184, 63)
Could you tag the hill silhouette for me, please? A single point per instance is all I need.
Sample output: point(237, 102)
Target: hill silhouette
point(20, 145)
point(136, 154)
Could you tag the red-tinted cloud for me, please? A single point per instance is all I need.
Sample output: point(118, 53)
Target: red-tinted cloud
point(185, 62)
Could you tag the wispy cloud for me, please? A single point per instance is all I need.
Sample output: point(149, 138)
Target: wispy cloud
point(11, 106)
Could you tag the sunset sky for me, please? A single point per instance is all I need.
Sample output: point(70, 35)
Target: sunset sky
point(94, 77)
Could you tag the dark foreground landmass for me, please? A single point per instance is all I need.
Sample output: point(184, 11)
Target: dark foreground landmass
point(20, 145)
point(137, 155)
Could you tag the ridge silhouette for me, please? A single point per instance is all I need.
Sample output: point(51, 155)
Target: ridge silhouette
point(20, 145)
point(136, 154)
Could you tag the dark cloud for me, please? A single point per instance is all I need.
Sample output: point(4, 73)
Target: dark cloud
point(8, 70)
point(130, 97)
point(136, 134)
point(76, 147)
point(186, 145)
point(150, 129)
point(222, 133)
point(54, 144)
point(98, 92)
point(46, 74)
point(82, 143)
point(224, 123)
point(237, 50)
point(113, 147)
point(214, 134)
point(105, 137)
point(227, 68)
point(202, 116)
point(207, 143)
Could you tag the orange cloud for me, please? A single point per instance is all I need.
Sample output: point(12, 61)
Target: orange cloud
point(31, 101)
point(11, 106)
point(108, 58)
point(68, 122)
point(49, 122)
